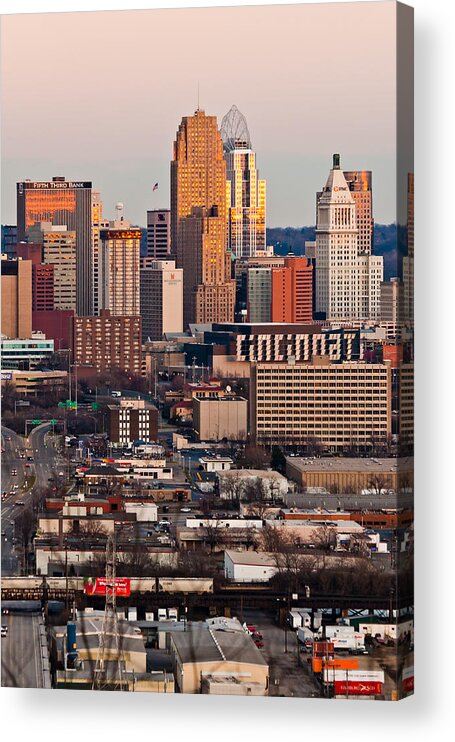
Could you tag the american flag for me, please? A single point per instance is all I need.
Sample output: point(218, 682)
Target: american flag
point(155, 187)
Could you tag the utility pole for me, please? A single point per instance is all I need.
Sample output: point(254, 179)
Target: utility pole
point(109, 637)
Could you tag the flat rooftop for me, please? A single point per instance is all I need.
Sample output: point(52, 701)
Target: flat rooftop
point(349, 465)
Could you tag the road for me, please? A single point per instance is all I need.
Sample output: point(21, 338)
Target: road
point(45, 462)
point(21, 656)
point(287, 678)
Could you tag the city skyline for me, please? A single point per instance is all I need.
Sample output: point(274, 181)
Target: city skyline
point(126, 152)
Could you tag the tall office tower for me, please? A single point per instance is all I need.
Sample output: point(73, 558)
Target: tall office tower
point(159, 234)
point(59, 250)
point(347, 282)
point(360, 185)
point(292, 291)
point(119, 268)
point(246, 194)
point(259, 294)
point(16, 319)
point(199, 221)
point(97, 224)
point(161, 298)
point(408, 260)
point(68, 203)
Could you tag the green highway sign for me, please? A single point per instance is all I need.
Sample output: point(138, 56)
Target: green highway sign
point(95, 406)
point(53, 422)
point(36, 422)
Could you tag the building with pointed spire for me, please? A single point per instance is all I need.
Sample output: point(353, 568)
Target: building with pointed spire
point(246, 194)
point(199, 221)
point(348, 281)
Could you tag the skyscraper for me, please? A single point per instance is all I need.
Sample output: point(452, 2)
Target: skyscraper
point(408, 260)
point(119, 268)
point(246, 193)
point(62, 202)
point(292, 291)
point(59, 250)
point(347, 281)
point(359, 183)
point(161, 298)
point(199, 221)
point(159, 234)
point(97, 224)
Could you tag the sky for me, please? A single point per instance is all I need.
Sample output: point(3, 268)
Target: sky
point(99, 96)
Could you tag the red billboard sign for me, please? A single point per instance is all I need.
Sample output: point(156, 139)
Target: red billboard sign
point(408, 684)
point(98, 586)
point(357, 688)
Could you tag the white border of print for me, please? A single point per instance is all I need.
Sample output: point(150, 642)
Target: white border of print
point(427, 714)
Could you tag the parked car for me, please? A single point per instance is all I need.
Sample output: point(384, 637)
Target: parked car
point(258, 643)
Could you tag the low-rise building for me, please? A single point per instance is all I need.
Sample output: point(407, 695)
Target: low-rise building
point(132, 420)
point(25, 353)
point(235, 484)
point(225, 417)
point(200, 652)
point(351, 474)
point(33, 383)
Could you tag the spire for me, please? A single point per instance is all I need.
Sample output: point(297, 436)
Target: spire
point(336, 162)
point(234, 131)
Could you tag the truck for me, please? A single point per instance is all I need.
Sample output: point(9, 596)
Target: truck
point(173, 614)
point(343, 638)
point(297, 617)
point(388, 633)
point(162, 614)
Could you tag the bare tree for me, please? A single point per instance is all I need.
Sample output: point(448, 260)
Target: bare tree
point(378, 483)
point(324, 538)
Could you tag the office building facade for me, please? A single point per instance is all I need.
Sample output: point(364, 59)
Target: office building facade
point(119, 269)
point(16, 298)
point(159, 234)
point(246, 194)
point(259, 295)
point(335, 406)
point(199, 220)
point(292, 291)
point(347, 281)
point(59, 250)
point(161, 298)
point(66, 203)
point(107, 341)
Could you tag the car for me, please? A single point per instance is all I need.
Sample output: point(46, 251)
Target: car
point(61, 473)
point(4, 632)
point(257, 635)
point(13, 472)
point(258, 643)
point(252, 629)
point(165, 522)
point(20, 502)
point(185, 510)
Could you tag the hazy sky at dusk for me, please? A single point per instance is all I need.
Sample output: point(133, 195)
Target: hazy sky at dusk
point(99, 96)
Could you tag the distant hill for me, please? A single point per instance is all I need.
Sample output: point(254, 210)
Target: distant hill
point(387, 241)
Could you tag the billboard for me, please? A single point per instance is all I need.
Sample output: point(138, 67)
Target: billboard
point(98, 585)
point(357, 688)
point(332, 675)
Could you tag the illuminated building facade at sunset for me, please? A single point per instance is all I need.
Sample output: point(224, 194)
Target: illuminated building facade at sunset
point(68, 203)
point(292, 291)
point(119, 269)
point(199, 221)
point(246, 193)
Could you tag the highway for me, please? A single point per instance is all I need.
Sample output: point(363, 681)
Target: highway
point(46, 464)
point(21, 655)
